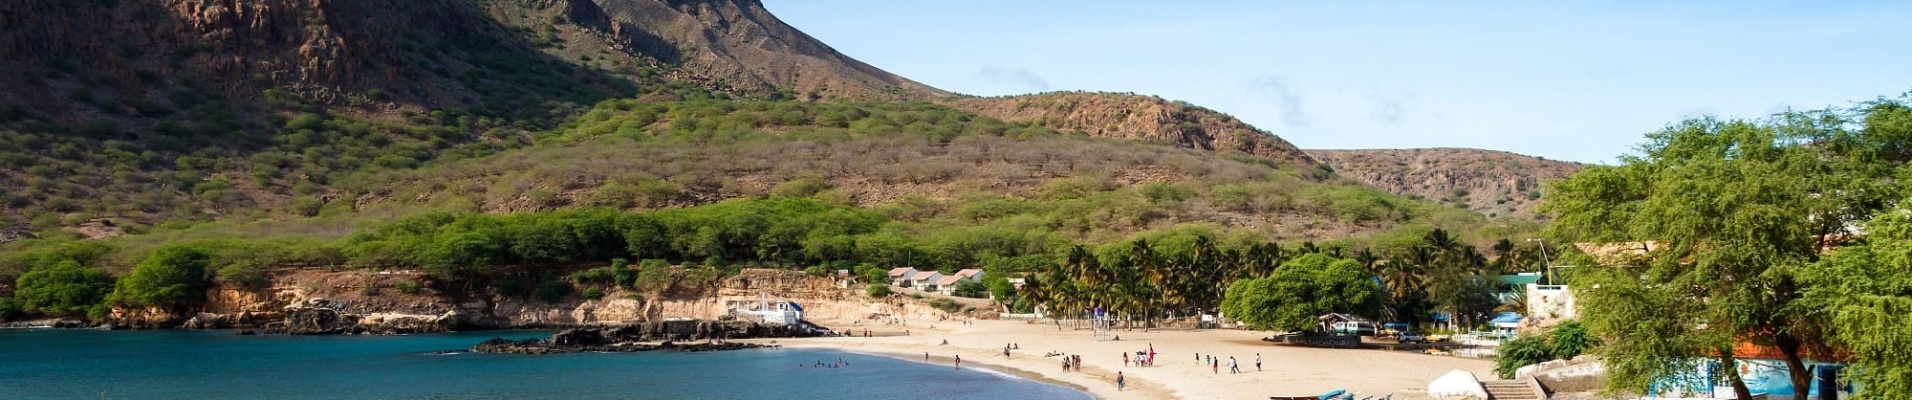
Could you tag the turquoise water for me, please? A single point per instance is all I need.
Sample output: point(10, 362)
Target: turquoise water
point(81, 364)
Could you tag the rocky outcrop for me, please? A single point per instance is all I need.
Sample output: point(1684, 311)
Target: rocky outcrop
point(1486, 181)
point(1140, 118)
point(741, 44)
point(661, 335)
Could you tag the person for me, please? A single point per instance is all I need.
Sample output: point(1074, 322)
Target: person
point(925, 356)
point(1125, 359)
point(1078, 362)
point(1214, 366)
point(1119, 381)
point(1233, 368)
point(1005, 352)
point(1257, 362)
point(959, 361)
point(945, 342)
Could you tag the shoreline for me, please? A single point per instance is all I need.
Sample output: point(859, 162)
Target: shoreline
point(1177, 373)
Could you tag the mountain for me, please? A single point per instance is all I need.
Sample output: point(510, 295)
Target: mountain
point(160, 119)
point(1495, 183)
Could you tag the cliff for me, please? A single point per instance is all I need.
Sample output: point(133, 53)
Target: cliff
point(322, 302)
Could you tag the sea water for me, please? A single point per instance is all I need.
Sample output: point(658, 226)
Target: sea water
point(85, 364)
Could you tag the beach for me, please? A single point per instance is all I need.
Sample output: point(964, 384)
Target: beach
point(1177, 373)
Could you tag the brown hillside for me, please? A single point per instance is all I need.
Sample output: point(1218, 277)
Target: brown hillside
point(1144, 118)
point(741, 44)
point(1495, 183)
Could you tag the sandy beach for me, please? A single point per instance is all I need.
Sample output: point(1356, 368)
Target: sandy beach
point(1177, 373)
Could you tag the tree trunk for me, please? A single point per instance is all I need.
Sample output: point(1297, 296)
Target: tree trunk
point(1740, 391)
point(1795, 366)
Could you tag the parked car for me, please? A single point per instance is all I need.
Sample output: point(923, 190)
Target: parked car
point(1410, 337)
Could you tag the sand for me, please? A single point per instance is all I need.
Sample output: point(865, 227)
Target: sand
point(1285, 370)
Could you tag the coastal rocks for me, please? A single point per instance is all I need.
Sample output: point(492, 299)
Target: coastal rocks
point(668, 335)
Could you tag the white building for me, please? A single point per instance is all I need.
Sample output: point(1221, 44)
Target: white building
point(925, 280)
point(900, 276)
point(971, 274)
point(947, 285)
point(771, 312)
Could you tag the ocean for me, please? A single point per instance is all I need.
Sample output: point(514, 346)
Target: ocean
point(86, 364)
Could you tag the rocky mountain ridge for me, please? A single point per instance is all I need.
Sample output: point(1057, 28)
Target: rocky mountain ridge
point(1495, 183)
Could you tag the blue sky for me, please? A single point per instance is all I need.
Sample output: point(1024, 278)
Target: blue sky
point(1579, 81)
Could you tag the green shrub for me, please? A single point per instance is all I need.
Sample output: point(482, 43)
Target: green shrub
point(878, 290)
point(64, 288)
point(244, 273)
point(593, 294)
point(947, 305)
point(1569, 339)
point(553, 290)
point(623, 276)
point(1520, 352)
point(599, 276)
point(971, 289)
point(10, 309)
point(171, 276)
point(406, 287)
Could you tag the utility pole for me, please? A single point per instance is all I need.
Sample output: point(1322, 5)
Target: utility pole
point(1544, 263)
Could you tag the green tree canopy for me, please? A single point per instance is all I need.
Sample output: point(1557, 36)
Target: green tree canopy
point(171, 276)
point(1300, 291)
point(1736, 210)
point(64, 288)
point(1866, 293)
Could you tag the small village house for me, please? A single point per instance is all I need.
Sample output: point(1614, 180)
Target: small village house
point(925, 280)
point(947, 285)
point(900, 276)
point(971, 274)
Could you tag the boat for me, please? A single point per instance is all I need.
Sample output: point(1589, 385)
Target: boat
point(1337, 394)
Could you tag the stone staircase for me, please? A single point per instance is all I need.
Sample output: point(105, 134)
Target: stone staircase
point(1516, 389)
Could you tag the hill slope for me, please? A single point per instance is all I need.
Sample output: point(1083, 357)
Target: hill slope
point(1495, 183)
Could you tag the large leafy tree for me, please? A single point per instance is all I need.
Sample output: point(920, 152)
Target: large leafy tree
point(1736, 209)
point(171, 276)
point(63, 288)
point(1301, 290)
point(1865, 293)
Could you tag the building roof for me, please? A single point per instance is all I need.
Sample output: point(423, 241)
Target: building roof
point(968, 272)
point(927, 276)
point(901, 271)
point(1507, 318)
point(1520, 280)
point(950, 280)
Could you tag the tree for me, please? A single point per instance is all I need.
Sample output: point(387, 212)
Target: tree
point(971, 289)
point(1300, 291)
point(1866, 315)
point(65, 288)
point(172, 276)
point(1735, 209)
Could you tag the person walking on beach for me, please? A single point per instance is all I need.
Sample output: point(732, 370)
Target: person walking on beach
point(1119, 381)
point(959, 361)
point(1214, 366)
point(1125, 359)
point(1257, 362)
point(1232, 367)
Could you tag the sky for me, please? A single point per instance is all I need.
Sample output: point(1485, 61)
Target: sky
point(1579, 81)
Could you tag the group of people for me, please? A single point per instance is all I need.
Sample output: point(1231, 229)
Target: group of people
point(1072, 362)
point(838, 364)
point(1142, 358)
point(1215, 363)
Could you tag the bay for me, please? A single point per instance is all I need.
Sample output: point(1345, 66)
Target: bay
point(85, 364)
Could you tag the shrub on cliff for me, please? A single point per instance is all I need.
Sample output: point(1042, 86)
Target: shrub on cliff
point(9, 308)
point(172, 275)
point(878, 290)
point(65, 288)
